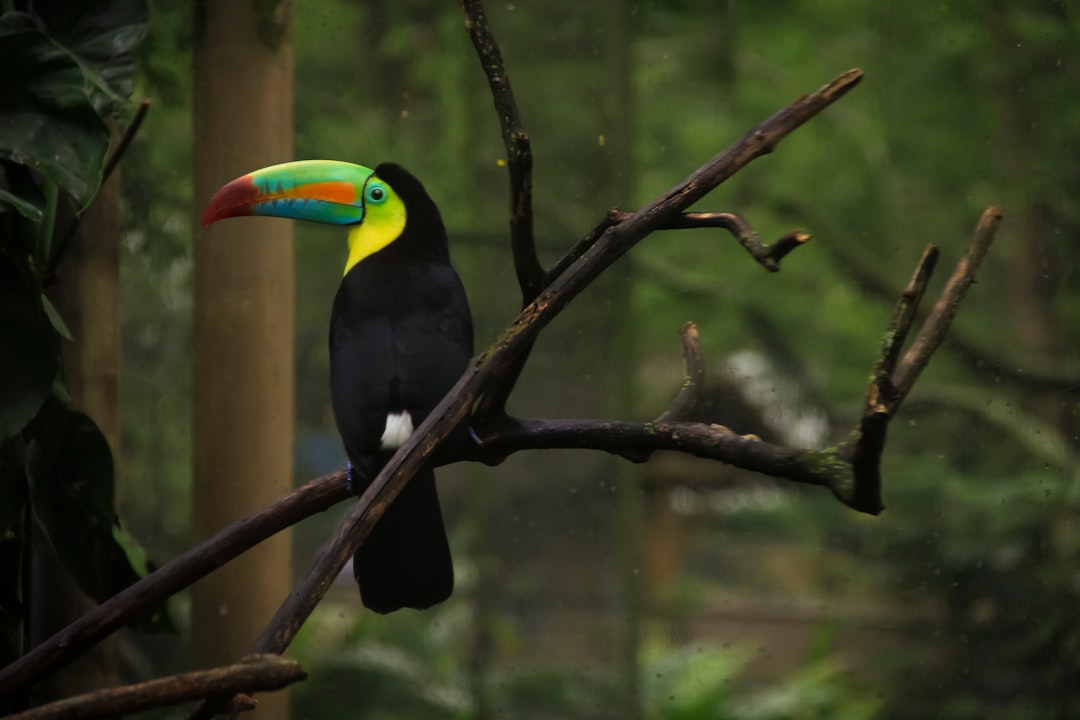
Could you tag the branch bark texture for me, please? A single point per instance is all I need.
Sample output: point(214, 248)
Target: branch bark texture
point(260, 672)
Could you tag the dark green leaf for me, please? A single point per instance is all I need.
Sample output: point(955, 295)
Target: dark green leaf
point(26, 209)
point(70, 469)
point(102, 36)
point(29, 348)
point(19, 189)
point(54, 318)
point(47, 119)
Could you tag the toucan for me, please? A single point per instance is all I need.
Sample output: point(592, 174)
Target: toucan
point(400, 337)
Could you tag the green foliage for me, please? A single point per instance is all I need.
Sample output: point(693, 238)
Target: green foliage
point(394, 666)
point(67, 69)
point(963, 105)
point(51, 124)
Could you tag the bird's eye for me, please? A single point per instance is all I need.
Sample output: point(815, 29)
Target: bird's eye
point(376, 194)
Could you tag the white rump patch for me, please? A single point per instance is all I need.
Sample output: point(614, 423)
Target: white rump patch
point(398, 429)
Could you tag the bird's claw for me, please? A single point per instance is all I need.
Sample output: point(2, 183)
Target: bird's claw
point(350, 482)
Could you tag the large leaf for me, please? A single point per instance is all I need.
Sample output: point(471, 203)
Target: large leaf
point(47, 119)
point(70, 469)
point(101, 36)
point(29, 348)
point(18, 190)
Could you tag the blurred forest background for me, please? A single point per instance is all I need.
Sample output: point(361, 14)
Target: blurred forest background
point(588, 587)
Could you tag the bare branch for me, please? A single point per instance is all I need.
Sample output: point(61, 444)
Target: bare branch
point(256, 672)
point(937, 324)
point(769, 256)
point(530, 274)
point(693, 380)
point(864, 447)
point(881, 394)
point(207, 556)
point(637, 441)
point(892, 381)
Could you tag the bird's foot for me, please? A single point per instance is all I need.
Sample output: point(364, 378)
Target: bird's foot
point(350, 482)
point(475, 438)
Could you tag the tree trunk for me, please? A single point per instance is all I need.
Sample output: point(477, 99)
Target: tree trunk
point(243, 409)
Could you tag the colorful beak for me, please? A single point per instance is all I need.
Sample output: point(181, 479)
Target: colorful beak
point(325, 191)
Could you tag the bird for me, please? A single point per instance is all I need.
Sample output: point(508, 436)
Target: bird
point(401, 335)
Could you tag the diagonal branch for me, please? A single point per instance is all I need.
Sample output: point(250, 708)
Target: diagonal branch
point(199, 561)
point(259, 672)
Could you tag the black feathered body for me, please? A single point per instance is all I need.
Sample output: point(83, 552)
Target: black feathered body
point(400, 337)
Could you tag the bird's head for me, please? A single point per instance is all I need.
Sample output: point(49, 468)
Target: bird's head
point(379, 206)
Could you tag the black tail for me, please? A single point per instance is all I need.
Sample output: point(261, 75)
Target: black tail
point(405, 562)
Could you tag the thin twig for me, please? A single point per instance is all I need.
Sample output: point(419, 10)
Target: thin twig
point(132, 129)
point(207, 556)
point(258, 672)
point(863, 449)
point(530, 274)
point(881, 394)
point(768, 256)
point(936, 327)
point(693, 377)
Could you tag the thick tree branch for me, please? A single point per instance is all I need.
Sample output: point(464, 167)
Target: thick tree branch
point(257, 672)
point(637, 441)
point(768, 256)
point(864, 447)
point(199, 561)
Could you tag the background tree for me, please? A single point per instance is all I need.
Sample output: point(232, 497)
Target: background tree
point(243, 330)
